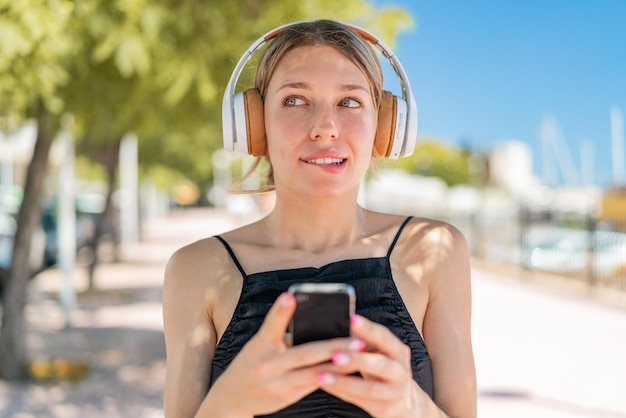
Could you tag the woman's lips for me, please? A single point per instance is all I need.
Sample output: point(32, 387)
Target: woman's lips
point(326, 161)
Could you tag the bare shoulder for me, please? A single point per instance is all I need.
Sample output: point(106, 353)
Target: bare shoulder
point(195, 272)
point(438, 247)
point(187, 262)
point(437, 236)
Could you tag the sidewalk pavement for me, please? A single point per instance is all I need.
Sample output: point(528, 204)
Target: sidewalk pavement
point(539, 352)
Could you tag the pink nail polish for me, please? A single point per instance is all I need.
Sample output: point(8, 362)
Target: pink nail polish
point(340, 359)
point(286, 299)
point(356, 321)
point(325, 378)
point(356, 345)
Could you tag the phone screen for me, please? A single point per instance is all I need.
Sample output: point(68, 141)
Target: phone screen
point(322, 312)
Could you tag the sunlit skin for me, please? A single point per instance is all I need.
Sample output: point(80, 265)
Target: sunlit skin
point(321, 121)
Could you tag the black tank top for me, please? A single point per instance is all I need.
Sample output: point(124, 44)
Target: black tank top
point(377, 299)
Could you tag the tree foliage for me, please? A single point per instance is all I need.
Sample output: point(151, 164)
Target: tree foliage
point(454, 165)
point(35, 47)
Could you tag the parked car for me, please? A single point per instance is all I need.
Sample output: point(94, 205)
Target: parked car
point(8, 228)
point(85, 228)
point(44, 245)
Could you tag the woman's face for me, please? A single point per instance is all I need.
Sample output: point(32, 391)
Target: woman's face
point(320, 122)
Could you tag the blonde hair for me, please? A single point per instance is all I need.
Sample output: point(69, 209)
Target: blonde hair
point(314, 33)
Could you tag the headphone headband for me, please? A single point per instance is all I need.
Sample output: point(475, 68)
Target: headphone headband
point(405, 134)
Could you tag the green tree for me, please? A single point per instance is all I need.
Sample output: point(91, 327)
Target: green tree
point(434, 158)
point(35, 47)
point(156, 68)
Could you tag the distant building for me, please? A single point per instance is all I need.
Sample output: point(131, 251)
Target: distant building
point(511, 167)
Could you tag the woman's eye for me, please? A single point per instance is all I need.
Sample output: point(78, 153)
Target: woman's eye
point(293, 101)
point(350, 102)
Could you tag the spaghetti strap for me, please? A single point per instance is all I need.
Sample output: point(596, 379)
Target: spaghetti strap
point(395, 239)
point(232, 255)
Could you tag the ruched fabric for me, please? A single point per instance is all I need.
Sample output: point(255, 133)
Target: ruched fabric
point(377, 299)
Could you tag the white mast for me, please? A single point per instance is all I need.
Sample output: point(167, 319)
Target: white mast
point(617, 141)
point(587, 165)
point(552, 140)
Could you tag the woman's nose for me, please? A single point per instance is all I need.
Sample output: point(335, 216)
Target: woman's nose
point(324, 125)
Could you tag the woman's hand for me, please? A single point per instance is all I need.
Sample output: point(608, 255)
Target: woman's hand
point(386, 388)
point(267, 375)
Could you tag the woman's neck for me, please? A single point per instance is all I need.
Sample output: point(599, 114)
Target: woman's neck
point(315, 224)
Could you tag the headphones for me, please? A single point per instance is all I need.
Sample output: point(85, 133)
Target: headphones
point(243, 120)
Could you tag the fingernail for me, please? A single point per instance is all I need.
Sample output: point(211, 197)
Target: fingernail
point(356, 321)
point(286, 299)
point(325, 378)
point(356, 345)
point(341, 359)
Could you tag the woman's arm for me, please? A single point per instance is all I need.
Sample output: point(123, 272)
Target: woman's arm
point(190, 336)
point(447, 327)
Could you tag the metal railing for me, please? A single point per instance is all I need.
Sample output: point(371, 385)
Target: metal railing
point(578, 246)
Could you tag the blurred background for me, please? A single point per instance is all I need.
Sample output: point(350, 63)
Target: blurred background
point(110, 158)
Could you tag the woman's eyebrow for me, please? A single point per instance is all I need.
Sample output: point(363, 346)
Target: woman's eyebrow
point(307, 86)
point(351, 87)
point(295, 85)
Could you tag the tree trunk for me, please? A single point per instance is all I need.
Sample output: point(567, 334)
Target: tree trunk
point(109, 156)
point(13, 358)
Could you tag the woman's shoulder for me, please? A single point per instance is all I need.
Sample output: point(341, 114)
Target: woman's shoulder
point(435, 244)
point(419, 229)
point(434, 230)
point(196, 266)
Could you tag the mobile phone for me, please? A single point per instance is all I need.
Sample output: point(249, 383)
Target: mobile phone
point(323, 311)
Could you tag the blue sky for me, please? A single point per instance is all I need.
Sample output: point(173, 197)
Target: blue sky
point(486, 71)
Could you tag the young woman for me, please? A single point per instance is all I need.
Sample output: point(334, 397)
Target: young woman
point(225, 303)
